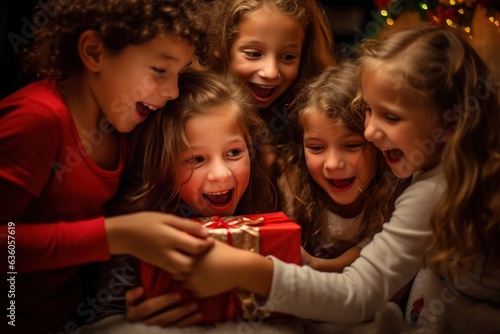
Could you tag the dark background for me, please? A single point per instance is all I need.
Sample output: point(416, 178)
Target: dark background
point(346, 19)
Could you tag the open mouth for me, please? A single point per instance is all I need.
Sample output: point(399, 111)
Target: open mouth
point(144, 109)
point(393, 155)
point(262, 91)
point(342, 183)
point(219, 198)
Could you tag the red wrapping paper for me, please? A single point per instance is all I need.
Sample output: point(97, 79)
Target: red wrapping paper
point(277, 236)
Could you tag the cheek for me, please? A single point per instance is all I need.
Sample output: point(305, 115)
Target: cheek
point(314, 164)
point(365, 168)
point(242, 173)
point(291, 74)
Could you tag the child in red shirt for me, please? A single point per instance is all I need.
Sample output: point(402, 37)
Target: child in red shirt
point(105, 66)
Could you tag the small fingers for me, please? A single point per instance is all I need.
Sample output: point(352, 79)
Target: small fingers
point(181, 315)
point(149, 308)
point(133, 296)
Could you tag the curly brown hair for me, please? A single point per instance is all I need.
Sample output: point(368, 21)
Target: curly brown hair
point(53, 51)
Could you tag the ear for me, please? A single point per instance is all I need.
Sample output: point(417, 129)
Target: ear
point(90, 50)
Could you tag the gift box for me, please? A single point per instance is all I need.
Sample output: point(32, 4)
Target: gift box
point(277, 236)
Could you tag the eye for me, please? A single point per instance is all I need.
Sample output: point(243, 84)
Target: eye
point(289, 57)
point(194, 160)
point(354, 146)
point(315, 148)
point(392, 118)
point(159, 70)
point(252, 54)
point(235, 152)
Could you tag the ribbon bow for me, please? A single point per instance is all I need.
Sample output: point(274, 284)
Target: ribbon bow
point(242, 223)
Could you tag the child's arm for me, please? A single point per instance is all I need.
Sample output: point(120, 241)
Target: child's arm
point(224, 268)
point(154, 237)
point(385, 265)
point(331, 265)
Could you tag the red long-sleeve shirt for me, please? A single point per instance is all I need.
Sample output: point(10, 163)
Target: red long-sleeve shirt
point(55, 196)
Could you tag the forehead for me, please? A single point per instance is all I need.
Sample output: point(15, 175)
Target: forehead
point(270, 21)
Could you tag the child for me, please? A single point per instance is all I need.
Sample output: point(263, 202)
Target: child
point(340, 194)
point(214, 109)
point(105, 67)
point(197, 160)
point(274, 47)
point(433, 109)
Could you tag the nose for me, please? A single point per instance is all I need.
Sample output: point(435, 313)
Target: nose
point(372, 131)
point(219, 172)
point(334, 160)
point(169, 89)
point(270, 69)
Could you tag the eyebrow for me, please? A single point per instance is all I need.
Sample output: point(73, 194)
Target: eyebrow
point(166, 56)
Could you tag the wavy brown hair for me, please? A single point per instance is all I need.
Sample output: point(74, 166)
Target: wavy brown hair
point(151, 182)
point(53, 52)
point(317, 50)
point(333, 94)
point(440, 66)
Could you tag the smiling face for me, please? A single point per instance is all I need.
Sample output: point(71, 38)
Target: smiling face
point(140, 79)
point(340, 161)
point(266, 53)
point(406, 129)
point(215, 173)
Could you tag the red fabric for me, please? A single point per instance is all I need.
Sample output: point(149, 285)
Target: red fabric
point(279, 236)
point(56, 196)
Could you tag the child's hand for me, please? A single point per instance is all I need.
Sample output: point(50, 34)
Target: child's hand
point(161, 310)
point(308, 259)
point(215, 272)
point(163, 240)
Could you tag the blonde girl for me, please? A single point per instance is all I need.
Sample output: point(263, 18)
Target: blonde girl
point(433, 110)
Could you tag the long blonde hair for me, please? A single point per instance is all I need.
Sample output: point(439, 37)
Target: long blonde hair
point(158, 142)
point(333, 94)
point(440, 66)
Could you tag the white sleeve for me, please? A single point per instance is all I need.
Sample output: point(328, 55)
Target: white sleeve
point(385, 265)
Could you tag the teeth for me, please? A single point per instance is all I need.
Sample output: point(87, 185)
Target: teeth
point(265, 87)
point(151, 107)
point(219, 193)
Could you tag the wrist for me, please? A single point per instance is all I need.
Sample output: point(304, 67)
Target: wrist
point(255, 273)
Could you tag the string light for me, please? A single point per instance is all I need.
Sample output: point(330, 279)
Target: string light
point(455, 13)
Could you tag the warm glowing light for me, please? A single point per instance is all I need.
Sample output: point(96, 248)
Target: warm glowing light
point(467, 30)
point(496, 23)
point(390, 21)
point(383, 12)
point(452, 2)
point(424, 6)
point(491, 18)
point(461, 11)
point(449, 22)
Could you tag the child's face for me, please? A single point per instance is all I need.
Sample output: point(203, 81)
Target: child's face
point(214, 177)
point(402, 126)
point(140, 79)
point(266, 54)
point(341, 162)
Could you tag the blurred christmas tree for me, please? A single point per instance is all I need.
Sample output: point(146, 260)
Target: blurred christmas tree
point(455, 13)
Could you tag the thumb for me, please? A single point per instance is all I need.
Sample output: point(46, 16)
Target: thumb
point(133, 296)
